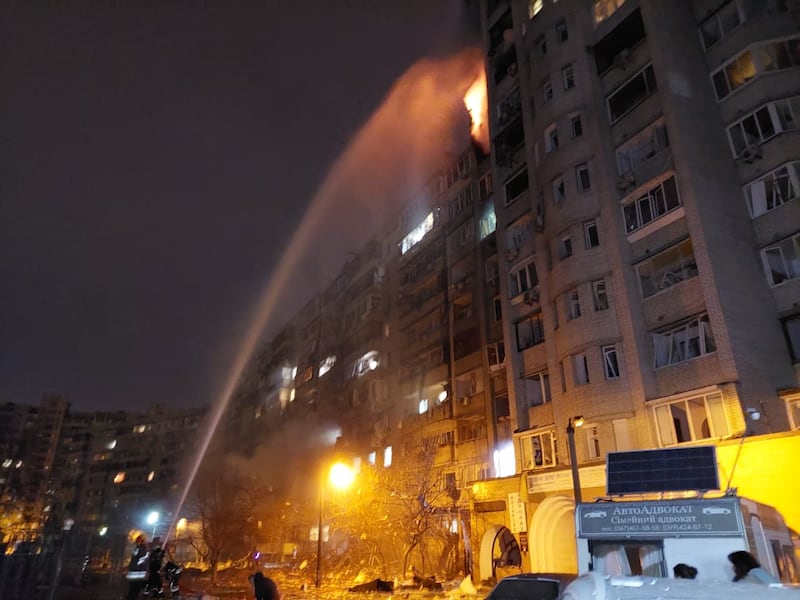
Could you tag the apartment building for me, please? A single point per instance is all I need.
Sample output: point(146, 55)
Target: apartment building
point(653, 146)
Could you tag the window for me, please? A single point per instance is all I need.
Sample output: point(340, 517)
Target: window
point(610, 362)
point(763, 124)
point(590, 235)
point(642, 147)
point(582, 175)
point(522, 279)
point(763, 57)
point(422, 407)
point(600, 295)
point(791, 329)
point(592, 441)
point(654, 203)
point(460, 203)
point(568, 77)
point(518, 233)
point(539, 450)
point(387, 456)
point(559, 193)
point(773, 189)
point(562, 376)
point(550, 138)
point(538, 386)
point(485, 186)
point(564, 247)
point(541, 46)
point(573, 305)
point(547, 91)
point(697, 418)
point(720, 24)
point(119, 477)
point(496, 355)
point(602, 9)
point(416, 234)
point(516, 186)
point(535, 7)
point(613, 50)
point(580, 369)
point(782, 260)
point(470, 429)
point(667, 268)
point(684, 342)
point(562, 33)
point(631, 93)
point(575, 126)
point(498, 309)
point(530, 331)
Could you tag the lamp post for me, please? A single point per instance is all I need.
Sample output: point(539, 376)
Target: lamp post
point(341, 477)
point(152, 519)
point(573, 456)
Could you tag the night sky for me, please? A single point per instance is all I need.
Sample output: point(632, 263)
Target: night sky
point(155, 158)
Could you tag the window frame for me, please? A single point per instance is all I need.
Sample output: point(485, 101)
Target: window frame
point(611, 369)
point(755, 53)
point(572, 304)
point(648, 79)
point(654, 198)
point(551, 138)
point(775, 121)
point(565, 249)
point(583, 168)
point(515, 282)
point(667, 278)
point(677, 342)
point(587, 237)
point(793, 241)
point(568, 77)
point(546, 439)
point(535, 332)
point(547, 90)
point(793, 185)
point(580, 358)
point(600, 295)
point(715, 418)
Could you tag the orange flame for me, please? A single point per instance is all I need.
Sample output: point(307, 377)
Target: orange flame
point(477, 104)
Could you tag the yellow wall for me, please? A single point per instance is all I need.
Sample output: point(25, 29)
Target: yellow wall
point(768, 471)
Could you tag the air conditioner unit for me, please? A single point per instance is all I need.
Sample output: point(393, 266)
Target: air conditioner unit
point(625, 181)
point(751, 153)
point(621, 59)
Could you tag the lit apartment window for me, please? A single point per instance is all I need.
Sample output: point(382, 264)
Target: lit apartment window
point(422, 407)
point(592, 441)
point(631, 93)
point(575, 126)
point(568, 77)
point(516, 186)
point(562, 33)
point(530, 331)
point(583, 178)
point(727, 18)
point(600, 295)
point(642, 147)
point(559, 192)
point(691, 419)
point(564, 246)
point(756, 60)
point(539, 450)
point(773, 189)
point(610, 362)
point(371, 457)
point(538, 387)
point(119, 477)
point(684, 342)
point(602, 9)
point(763, 124)
point(652, 204)
point(522, 279)
point(547, 91)
point(387, 456)
point(591, 236)
point(580, 369)
point(782, 260)
point(151, 475)
point(573, 304)
point(535, 7)
point(667, 268)
point(550, 138)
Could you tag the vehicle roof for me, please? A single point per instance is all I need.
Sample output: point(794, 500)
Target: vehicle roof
point(594, 586)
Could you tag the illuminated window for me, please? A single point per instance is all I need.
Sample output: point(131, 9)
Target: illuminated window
point(151, 475)
point(119, 477)
point(7, 463)
point(605, 8)
point(539, 450)
point(764, 57)
point(423, 406)
point(111, 445)
point(535, 7)
point(387, 456)
point(690, 419)
point(371, 457)
point(326, 365)
point(416, 234)
point(139, 428)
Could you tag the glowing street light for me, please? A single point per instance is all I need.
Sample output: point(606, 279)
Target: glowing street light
point(152, 519)
point(341, 477)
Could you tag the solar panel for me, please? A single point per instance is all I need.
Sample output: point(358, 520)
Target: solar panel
point(667, 470)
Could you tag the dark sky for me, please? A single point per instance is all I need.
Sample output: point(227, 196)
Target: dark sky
point(155, 158)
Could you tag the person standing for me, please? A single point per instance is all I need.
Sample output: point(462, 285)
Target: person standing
point(137, 568)
point(264, 587)
point(746, 568)
point(155, 584)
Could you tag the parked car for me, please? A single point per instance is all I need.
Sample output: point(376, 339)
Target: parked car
point(531, 586)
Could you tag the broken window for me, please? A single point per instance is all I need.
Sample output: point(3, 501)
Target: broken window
point(530, 331)
point(773, 189)
point(684, 342)
point(631, 93)
point(610, 362)
point(782, 260)
point(516, 185)
point(667, 268)
point(616, 47)
point(652, 204)
point(690, 419)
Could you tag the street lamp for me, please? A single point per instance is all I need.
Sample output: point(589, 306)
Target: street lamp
point(573, 456)
point(340, 476)
point(152, 519)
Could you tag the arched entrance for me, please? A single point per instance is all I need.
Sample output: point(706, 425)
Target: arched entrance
point(500, 554)
point(552, 536)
